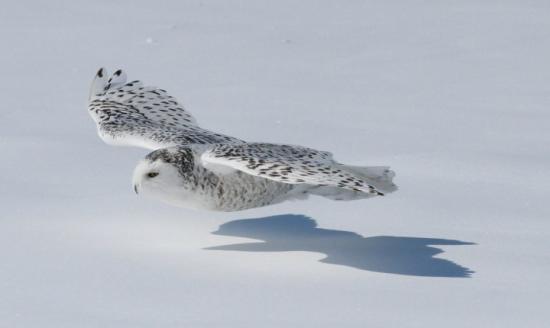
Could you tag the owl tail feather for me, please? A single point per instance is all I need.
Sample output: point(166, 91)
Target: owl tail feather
point(380, 177)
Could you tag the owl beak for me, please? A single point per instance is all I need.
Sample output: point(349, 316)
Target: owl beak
point(136, 189)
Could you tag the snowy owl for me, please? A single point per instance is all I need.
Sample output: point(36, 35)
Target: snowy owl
point(197, 168)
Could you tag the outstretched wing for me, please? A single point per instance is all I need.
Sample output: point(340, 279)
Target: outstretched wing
point(287, 164)
point(128, 113)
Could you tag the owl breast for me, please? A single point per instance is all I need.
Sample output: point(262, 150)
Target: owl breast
point(239, 191)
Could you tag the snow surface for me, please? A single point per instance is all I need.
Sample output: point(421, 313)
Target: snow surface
point(454, 95)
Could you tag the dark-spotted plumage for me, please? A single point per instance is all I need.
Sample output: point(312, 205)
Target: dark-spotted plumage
point(133, 114)
point(215, 171)
point(287, 164)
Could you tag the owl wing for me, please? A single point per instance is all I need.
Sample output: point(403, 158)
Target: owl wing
point(287, 164)
point(129, 113)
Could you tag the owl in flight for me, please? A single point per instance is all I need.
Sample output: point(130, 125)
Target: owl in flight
point(197, 168)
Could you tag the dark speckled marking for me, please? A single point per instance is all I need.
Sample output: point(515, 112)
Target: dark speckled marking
point(290, 164)
point(131, 110)
point(149, 115)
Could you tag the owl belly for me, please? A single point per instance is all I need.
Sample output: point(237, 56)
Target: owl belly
point(240, 191)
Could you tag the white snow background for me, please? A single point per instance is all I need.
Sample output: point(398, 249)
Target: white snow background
point(454, 95)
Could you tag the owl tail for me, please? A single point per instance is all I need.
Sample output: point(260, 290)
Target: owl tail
point(380, 177)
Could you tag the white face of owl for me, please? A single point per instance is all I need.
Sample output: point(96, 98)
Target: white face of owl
point(161, 180)
point(157, 178)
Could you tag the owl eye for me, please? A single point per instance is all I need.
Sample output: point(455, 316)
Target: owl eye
point(152, 174)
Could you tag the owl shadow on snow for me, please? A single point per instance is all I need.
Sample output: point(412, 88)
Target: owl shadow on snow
point(389, 254)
